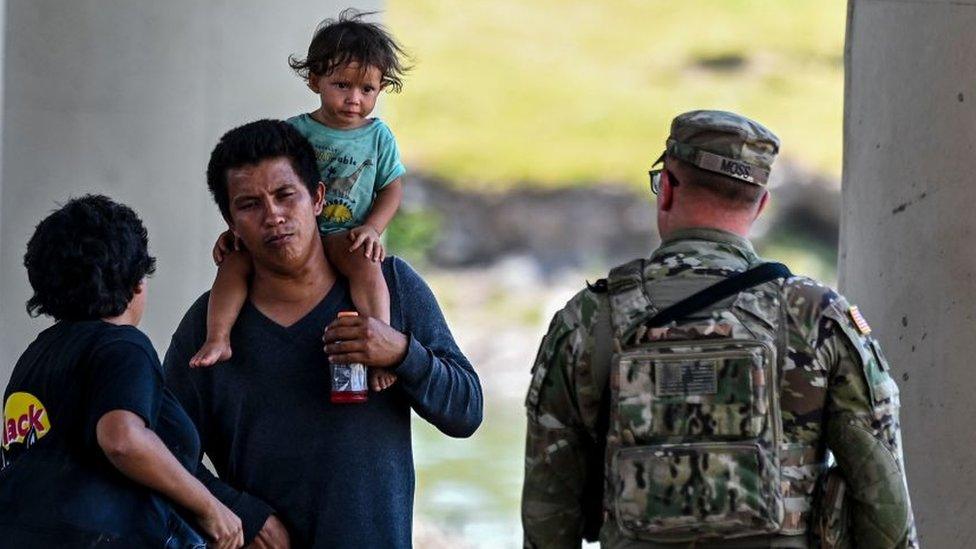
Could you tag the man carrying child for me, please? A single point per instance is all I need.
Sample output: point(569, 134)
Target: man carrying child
point(349, 62)
point(288, 459)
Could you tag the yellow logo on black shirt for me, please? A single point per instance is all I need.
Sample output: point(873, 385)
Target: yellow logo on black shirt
point(25, 420)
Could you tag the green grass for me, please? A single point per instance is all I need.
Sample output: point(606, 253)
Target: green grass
point(555, 93)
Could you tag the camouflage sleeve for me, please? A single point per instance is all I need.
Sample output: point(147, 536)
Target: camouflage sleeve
point(561, 412)
point(862, 430)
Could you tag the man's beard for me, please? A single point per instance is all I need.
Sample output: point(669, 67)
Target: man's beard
point(288, 257)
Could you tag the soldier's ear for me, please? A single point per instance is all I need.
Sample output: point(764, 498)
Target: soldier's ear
point(665, 200)
point(763, 200)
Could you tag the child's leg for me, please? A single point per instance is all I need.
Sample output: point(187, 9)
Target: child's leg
point(366, 282)
point(370, 294)
point(381, 379)
point(226, 299)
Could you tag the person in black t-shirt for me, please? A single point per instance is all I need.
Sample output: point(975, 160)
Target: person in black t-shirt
point(95, 451)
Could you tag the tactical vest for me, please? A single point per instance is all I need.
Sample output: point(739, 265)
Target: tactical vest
point(694, 433)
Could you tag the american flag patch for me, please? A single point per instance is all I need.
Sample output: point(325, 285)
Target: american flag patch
point(858, 319)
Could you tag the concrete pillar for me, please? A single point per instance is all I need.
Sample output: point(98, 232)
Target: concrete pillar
point(127, 98)
point(3, 28)
point(907, 254)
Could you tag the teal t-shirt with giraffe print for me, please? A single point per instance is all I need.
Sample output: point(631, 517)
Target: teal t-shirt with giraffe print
point(354, 165)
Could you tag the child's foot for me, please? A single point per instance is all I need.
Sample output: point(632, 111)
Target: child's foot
point(211, 353)
point(381, 379)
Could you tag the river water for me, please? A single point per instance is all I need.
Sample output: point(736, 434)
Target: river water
point(468, 491)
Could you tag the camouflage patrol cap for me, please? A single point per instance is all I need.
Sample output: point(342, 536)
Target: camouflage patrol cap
point(725, 143)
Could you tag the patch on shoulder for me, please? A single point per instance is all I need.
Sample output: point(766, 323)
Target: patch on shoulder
point(858, 319)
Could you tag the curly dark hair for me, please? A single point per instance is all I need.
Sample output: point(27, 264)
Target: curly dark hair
point(253, 142)
point(347, 39)
point(85, 260)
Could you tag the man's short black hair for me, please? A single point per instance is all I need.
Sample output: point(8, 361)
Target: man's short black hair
point(253, 143)
point(348, 39)
point(86, 259)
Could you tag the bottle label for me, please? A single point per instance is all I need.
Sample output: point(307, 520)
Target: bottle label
point(348, 378)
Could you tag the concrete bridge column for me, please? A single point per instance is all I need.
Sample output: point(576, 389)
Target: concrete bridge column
point(908, 235)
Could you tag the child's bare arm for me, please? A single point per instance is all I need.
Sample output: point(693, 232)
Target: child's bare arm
point(384, 208)
point(226, 299)
point(227, 242)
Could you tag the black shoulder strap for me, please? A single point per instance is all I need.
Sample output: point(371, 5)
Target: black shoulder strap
point(719, 291)
point(600, 362)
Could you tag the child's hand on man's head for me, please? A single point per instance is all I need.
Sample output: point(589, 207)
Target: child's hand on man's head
point(227, 242)
point(369, 238)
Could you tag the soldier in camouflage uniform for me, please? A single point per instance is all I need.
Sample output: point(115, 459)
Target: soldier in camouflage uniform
point(712, 431)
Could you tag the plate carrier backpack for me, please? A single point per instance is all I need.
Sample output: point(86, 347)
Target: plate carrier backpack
point(691, 410)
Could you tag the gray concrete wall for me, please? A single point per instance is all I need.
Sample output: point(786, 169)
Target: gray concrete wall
point(907, 250)
point(3, 28)
point(127, 98)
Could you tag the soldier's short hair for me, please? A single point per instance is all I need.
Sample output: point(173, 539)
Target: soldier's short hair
point(727, 189)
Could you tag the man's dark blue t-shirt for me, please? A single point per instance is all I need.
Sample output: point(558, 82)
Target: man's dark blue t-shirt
point(338, 475)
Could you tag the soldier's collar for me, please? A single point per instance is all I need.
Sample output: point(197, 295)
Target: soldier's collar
point(713, 235)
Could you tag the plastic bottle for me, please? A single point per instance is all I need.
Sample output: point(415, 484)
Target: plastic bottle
point(348, 380)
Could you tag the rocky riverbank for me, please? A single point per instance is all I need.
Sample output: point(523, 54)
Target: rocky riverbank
point(584, 227)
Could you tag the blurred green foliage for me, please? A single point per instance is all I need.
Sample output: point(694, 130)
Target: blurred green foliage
point(412, 233)
point(559, 93)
